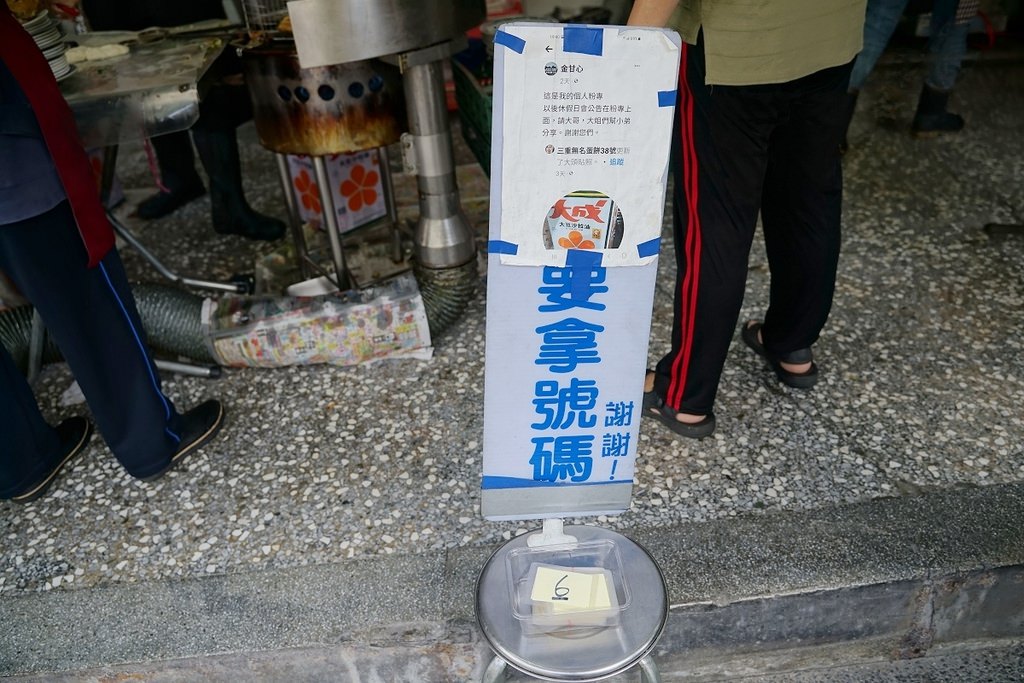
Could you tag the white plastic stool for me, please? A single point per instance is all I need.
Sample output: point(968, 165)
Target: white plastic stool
point(583, 655)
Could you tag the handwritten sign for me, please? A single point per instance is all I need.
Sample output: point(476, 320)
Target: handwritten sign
point(562, 590)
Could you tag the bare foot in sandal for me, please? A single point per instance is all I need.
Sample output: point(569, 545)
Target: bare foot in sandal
point(794, 372)
point(793, 368)
point(685, 418)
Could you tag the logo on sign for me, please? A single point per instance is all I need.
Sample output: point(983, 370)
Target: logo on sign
point(583, 220)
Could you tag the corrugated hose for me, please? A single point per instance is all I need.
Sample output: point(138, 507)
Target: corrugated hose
point(172, 317)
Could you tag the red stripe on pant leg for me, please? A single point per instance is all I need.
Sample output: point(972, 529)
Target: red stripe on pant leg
point(692, 246)
point(677, 378)
point(696, 232)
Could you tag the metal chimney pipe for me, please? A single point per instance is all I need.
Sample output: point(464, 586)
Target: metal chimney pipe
point(443, 237)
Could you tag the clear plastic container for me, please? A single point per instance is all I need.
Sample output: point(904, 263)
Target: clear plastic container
point(567, 588)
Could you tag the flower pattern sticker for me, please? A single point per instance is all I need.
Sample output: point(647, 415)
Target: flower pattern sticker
point(360, 188)
point(309, 192)
point(354, 182)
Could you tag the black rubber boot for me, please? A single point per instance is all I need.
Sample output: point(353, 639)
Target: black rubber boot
point(931, 117)
point(177, 174)
point(231, 213)
point(850, 106)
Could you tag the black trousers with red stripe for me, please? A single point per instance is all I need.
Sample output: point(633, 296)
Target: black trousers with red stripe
point(740, 150)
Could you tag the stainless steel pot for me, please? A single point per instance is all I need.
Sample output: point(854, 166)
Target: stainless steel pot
point(361, 29)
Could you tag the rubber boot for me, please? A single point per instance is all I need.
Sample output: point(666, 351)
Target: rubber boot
point(931, 117)
point(850, 105)
point(231, 213)
point(177, 174)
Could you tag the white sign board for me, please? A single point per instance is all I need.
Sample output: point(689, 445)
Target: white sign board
point(580, 147)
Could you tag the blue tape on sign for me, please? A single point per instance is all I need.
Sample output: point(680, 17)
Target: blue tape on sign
point(502, 247)
point(582, 260)
point(583, 39)
point(494, 482)
point(649, 248)
point(667, 98)
point(514, 43)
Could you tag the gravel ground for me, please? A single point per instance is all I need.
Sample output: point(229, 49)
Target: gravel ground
point(922, 386)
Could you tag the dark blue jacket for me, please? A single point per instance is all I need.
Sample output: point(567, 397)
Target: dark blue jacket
point(29, 185)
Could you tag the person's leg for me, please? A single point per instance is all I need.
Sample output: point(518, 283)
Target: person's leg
point(880, 21)
point(947, 44)
point(229, 209)
point(30, 444)
point(33, 453)
point(215, 135)
point(91, 314)
point(800, 212)
point(718, 163)
point(177, 174)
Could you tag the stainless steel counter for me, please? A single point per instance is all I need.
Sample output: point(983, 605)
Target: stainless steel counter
point(150, 91)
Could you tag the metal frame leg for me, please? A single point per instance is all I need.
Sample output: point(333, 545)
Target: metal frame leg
point(342, 276)
point(107, 176)
point(126, 234)
point(107, 179)
point(495, 671)
point(649, 670)
point(294, 218)
point(389, 203)
point(35, 352)
point(207, 371)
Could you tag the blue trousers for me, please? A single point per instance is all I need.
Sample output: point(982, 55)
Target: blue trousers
point(947, 42)
point(91, 315)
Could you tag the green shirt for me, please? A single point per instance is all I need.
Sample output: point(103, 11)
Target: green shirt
point(750, 42)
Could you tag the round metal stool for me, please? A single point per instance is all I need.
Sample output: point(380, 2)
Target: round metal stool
point(582, 653)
